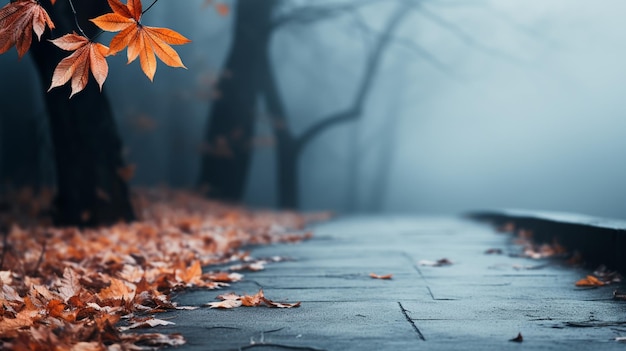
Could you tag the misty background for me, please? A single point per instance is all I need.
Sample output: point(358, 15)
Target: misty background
point(477, 105)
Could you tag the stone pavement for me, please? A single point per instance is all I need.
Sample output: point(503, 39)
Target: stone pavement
point(477, 303)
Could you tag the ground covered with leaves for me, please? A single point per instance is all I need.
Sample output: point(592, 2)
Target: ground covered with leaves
point(87, 289)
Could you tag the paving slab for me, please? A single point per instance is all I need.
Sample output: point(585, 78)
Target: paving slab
point(477, 303)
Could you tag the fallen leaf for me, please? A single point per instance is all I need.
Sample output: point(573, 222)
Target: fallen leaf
point(376, 276)
point(254, 300)
point(149, 323)
point(438, 263)
point(90, 279)
point(232, 300)
point(590, 280)
point(222, 9)
point(228, 303)
point(493, 252)
point(229, 296)
point(518, 338)
point(271, 303)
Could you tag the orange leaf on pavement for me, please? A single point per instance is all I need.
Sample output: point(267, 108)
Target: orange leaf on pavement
point(590, 280)
point(254, 300)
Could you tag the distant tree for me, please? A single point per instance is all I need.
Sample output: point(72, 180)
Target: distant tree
point(249, 76)
point(227, 146)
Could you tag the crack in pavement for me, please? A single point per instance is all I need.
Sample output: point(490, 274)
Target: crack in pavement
point(406, 315)
point(417, 269)
point(280, 346)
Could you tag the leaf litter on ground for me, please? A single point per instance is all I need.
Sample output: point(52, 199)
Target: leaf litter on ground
point(96, 284)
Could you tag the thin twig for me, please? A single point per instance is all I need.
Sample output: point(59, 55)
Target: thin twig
point(149, 7)
point(76, 19)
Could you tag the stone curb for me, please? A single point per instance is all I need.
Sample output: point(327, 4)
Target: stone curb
point(598, 240)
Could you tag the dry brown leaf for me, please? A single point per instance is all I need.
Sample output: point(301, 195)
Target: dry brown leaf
point(118, 290)
point(18, 20)
point(224, 277)
point(226, 304)
point(191, 274)
point(232, 300)
point(439, 263)
point(90, 279)
point(229, 296)
point(590, 280)
point(376, 276)
point(148, 323)
point(274, 304)
point(254, 300)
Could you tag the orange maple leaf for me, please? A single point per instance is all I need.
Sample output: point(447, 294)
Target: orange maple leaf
point(18, 20)
point(221, 8)
point(142, 41)
point(87, 56)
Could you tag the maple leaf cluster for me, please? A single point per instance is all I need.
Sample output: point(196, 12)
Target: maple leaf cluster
point(85, 289)
point(20, 18)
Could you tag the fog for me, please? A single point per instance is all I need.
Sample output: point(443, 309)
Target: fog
point(476, 105)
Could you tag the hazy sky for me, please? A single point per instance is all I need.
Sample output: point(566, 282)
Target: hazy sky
point(529, 115)
point(526, 107)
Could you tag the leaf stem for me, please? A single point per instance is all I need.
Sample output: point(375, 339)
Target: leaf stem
point(149, 7)
point(76, 19)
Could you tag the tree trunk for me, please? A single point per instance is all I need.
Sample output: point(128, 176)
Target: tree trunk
point(227, 148)
point(87, 147)
point(287, 179)
point(289, 147)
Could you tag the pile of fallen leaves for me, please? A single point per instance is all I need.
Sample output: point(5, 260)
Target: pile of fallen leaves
point(66, 288)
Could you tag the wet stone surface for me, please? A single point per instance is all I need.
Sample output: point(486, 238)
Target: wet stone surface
point(477, 303)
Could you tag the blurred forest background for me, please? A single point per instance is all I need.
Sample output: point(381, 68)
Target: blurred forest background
point(470, 105)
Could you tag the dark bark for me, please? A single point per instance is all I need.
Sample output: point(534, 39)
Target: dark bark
point(227, 148)
point(87, 146)
point(22, 150)
point(287, 150)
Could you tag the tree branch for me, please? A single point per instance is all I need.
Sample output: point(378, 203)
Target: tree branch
point(467, 38)
point(371, 68)
point(410, 45)
point(312, 13)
